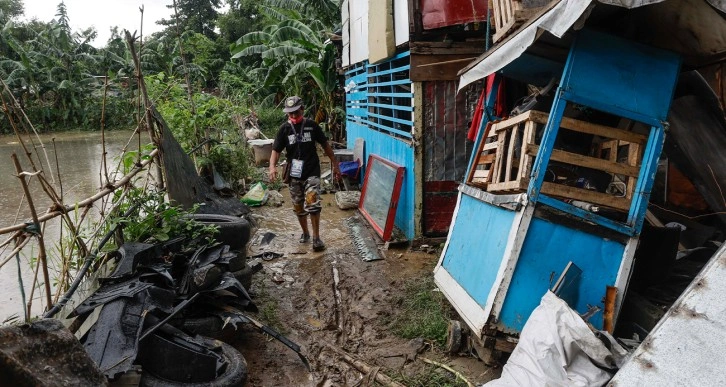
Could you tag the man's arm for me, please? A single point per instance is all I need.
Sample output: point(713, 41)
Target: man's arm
point(333, 162)
point(273, 165)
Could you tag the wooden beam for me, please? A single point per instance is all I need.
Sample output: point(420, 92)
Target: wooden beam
point(564, 191)
point(436, 67)
point(471, 48)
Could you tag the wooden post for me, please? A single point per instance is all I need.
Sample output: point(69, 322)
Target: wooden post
point(611, 293)
point(41, 242)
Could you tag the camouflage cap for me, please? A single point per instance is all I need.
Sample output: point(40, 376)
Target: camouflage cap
point(292, 104)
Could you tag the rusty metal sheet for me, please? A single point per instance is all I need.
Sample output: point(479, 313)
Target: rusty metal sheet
point(444, 13)
point(446, 151)
point(686, 346)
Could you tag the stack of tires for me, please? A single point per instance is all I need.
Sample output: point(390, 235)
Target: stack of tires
point(235, 232)
point(231, 369)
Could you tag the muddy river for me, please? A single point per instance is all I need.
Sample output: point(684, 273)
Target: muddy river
point(79, 156)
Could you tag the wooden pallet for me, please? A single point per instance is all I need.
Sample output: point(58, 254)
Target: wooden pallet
point(510, 14)
point(516, 150)
point(480, 174)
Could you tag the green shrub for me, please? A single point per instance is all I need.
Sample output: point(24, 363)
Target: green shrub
point(270, 119)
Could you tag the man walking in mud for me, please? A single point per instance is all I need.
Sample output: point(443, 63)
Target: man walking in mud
point(298, 136)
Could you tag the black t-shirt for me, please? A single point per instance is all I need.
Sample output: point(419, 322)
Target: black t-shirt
point(298, 141)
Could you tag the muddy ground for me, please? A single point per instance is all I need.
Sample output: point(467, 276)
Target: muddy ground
point(298, 291)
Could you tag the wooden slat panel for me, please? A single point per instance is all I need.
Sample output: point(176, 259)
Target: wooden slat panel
point(514, 185)
point(601, 130)
point(567, 192)
point(588, 162)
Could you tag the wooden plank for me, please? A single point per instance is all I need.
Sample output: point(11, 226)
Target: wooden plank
point(510, 152)
point(498, 163)
point(635, 156)
point(532, 115)
point(473, 170)
point(467, 48)
point(588, 162)
point(490, 146)
point(567, 192)
point(437, 67)
point(525, 166)
point(602, 130)
point(514, 185)
point(485, 159)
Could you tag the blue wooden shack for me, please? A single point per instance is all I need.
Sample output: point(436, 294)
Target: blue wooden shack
point(518, 225)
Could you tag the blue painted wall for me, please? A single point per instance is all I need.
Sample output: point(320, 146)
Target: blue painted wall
point(399, 152)
point(474, 255)
point(548, 247)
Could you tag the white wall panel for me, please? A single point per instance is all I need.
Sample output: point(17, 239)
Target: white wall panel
point(400, 16)
point(358, 31)
point(345, 17)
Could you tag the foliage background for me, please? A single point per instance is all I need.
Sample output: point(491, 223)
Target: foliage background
point(249, 57)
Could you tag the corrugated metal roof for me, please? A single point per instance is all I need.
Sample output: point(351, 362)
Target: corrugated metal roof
point(557, 18)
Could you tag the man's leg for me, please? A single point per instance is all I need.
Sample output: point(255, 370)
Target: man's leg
point(304, 224)
point(315, 221)
point(297, 194)
point(313, 206)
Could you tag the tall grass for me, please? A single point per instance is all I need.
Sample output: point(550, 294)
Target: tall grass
point(423, 311)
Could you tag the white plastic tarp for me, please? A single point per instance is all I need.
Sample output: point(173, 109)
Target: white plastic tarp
point(557, 348)
point(558, 20)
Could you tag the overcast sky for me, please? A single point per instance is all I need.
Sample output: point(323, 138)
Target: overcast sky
point(103, 14)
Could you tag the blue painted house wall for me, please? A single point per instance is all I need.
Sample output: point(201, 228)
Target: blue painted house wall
point(473, 260)
point(378, 110)
point(547, 249)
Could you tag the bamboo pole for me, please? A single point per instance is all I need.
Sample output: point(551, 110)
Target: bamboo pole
point(444, 366)
point(18, 246)
point(363, 367)
point(155, 137)
point(41, 242)
point(88, 201)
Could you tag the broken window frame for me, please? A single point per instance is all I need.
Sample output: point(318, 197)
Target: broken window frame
point(383, 230)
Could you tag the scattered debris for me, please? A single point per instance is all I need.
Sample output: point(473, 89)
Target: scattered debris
point(363, 239)
point(557, 347)
point(453, 371)
point(347, 200)
point(364, 368)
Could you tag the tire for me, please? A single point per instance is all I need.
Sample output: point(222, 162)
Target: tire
point(234, 375)
point(233, 231)
point(210, 326)
point(453, 339)
point(238, 262)
point(244, 276)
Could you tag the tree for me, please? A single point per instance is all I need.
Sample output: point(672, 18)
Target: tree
point(294, 54)
point(194, 15)
point(10, 9)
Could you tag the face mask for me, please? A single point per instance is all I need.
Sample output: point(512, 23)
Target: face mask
point(295, 120)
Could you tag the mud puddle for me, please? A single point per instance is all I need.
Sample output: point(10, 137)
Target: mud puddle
point(329, 298)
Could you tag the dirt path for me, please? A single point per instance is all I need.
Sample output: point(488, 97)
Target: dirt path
point(332, 297)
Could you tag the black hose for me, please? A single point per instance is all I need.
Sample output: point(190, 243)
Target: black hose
point(86, 265)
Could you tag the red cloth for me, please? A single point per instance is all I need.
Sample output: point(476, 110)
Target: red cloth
point(476, 119)
point(499, 106)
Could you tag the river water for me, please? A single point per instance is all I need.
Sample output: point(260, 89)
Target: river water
point(79, 157)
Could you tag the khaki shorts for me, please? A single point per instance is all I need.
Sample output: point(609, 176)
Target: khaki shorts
point(305, 196)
